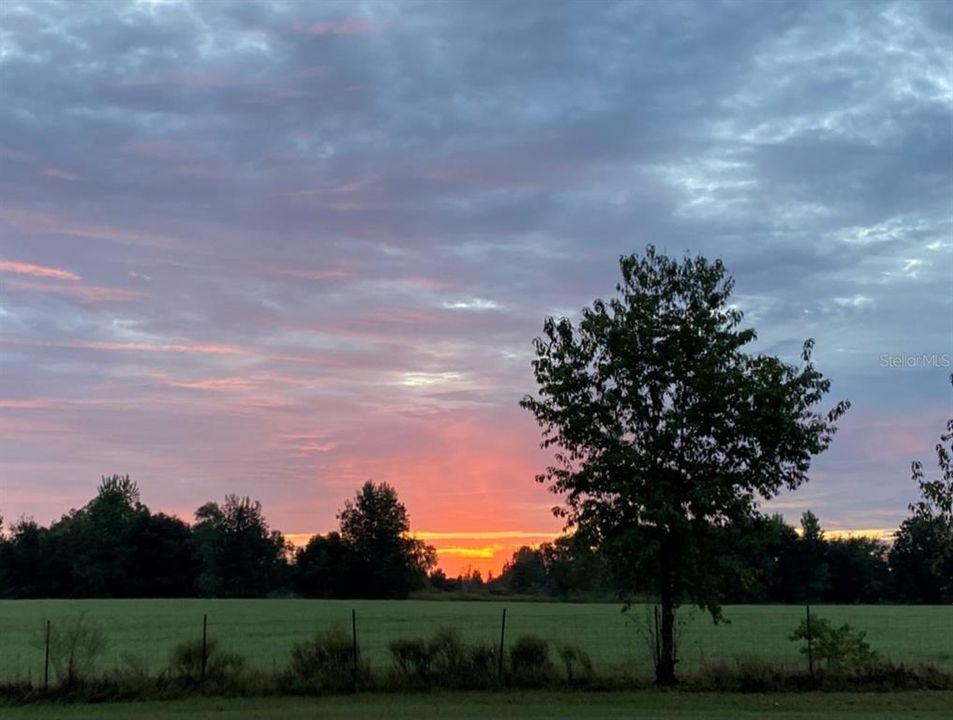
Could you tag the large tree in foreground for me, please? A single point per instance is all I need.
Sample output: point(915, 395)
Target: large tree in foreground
point(922, 553)
point(665, 428)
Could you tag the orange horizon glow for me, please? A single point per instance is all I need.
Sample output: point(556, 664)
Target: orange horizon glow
point(464, 551)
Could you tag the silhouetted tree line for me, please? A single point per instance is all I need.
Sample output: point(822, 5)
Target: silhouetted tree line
point(115, 546)
point(764, 561)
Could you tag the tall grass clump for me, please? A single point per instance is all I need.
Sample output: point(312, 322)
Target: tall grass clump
point(576, 663)
point(207, 666)
point(444, 661)
point(326, 663)
point(530, 665)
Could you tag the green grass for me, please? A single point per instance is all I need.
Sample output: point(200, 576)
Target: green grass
point(265, 630)
point(645, 705)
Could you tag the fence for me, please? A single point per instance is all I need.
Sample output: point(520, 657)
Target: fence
point(264, 631)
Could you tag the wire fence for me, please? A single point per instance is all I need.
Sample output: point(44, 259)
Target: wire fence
point(145, 632)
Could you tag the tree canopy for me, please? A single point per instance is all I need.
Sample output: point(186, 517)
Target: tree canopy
point(663, 426)
point(922, 554)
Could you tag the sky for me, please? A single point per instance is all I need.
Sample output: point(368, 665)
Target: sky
point(280, 248)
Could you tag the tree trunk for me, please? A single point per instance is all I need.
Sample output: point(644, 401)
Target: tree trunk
point(665, 662)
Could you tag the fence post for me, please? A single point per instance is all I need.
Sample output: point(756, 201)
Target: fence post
point(810, 643)
point(204, 647)
point(46, 659)
point(499, 668)
point(354, 658)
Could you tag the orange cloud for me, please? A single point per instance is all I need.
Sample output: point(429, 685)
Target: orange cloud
point(22, 268)
point(484, 535)
point(484, 553)
point(217, 384)
point(883, 534)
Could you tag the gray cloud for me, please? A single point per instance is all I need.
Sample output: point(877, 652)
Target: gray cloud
point(296, 219)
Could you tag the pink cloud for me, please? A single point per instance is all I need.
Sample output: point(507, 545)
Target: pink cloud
point(60, 174)
point(343, 26)
point(82, 293)
point(44, 271)
point(31, 404)
point(107, 345)
point(38, 222)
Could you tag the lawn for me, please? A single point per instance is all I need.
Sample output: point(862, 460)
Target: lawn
point(265, 630)
point(644, 705)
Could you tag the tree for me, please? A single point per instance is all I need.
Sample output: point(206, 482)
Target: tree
point(664, 428)
point(922, 553)
point(858, 571)
point(525, 572)
point(239, 555)
point(101, 538)
point(374, 525)
point(813, 572)
point(913, 560)
point(325, 568)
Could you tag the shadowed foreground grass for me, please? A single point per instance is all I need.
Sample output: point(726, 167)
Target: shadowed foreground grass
point(645, 705)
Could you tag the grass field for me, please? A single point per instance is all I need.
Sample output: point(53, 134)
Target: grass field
point(265, 630)
point(645, 705)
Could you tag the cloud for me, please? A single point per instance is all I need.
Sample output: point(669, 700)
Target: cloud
point(112, 346)
point(80, 293)
point(42, 271)
point(61, 174)
point(320, 253)
point(344, 26)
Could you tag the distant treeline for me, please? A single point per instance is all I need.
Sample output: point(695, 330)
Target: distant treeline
point(770, 562)
point(115, 546)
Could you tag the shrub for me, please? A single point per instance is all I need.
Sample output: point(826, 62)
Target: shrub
point(529, 661)
point(327, 662)
point(576, 661)
point(221, 666)
point(841, 649)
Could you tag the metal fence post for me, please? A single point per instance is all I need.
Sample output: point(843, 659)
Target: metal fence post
point(204, 647)
point(499, 668)
point(46, 659)
point(354, 659)
point(810, 643)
